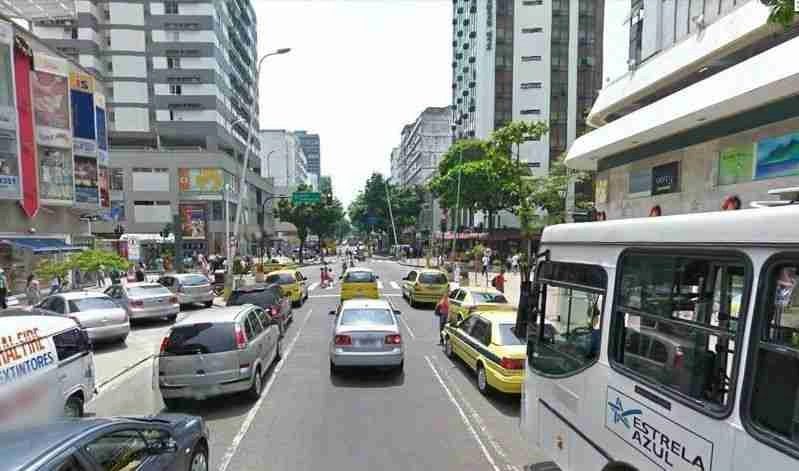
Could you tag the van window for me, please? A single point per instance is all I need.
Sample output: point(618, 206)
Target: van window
point(58, 305)
point(675, 322)
point(773, 405)
point(70, 343)
point(564, 332)
point(204, 338)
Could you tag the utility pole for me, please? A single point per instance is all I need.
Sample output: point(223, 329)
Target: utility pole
point(457, 205)
point(391, 215)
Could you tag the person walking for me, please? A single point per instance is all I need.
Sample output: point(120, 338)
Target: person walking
point(101, 277)
point(3, 289)
point(32, 292)
point(499, 281)
point(486, 262)
point(139, 273)
point(55, 285)
point(442, 311)
point(514, 262)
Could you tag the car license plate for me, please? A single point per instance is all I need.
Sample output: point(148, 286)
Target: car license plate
point(368, 343)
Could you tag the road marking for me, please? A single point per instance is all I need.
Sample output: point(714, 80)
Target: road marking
point(379, 284)
point(402, 319)
point(464, 418)
point(394, 285)
point(245, 426)
point(324, 296)
point(313, 286)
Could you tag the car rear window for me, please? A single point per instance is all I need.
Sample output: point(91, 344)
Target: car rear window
point(194, 280)
point(480, 298)
point(88, 304)
point(506, 335)
point(203, 338)
point(281, 279)
point(359, 277)
point(259, 298)
point(432, 278)
point(356, 317)
point(142, 291)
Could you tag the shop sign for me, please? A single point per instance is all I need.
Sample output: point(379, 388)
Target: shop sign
point(83, 121)
point(666, 178)
point(134, 253)
point(206, 180)
point(28, 164)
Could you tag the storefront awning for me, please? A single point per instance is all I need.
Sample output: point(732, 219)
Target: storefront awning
point(42, 245)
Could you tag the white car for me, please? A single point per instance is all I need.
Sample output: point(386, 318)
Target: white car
point(102, 318)
point(366, 333)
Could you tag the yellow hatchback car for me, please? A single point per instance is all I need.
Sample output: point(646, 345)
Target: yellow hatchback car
point(359, 283)
point(486, 343)
point(467, 300)
point(424, 286)
point(293, 284)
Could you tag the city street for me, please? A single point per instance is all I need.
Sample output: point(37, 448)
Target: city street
point(431, 417)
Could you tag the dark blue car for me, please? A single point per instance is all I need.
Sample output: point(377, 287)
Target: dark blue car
point(163, 442)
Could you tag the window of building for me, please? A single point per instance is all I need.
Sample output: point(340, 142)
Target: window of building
point(173, 62)
point(530, 3)
point(171, 115)
point(675, 324)
point(529, 85)
point(171, 8)
point(173, 35)
point(636, 32)
point(108, 39)
point(106, 13)
point(534, 111)
point(175, 89)
point(532, 30)
point(564, 334)
point(110, 66)
point(773, 400)
point(117, 182)
point(531, 58)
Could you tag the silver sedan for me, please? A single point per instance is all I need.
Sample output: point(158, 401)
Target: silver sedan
point(366, 333)
point(145, 300)
point(98, 314)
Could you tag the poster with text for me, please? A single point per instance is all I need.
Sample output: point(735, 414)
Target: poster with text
point(666, 178)
point(101, 124)
point(9, 155)
point(83, 123)
point(207, 180)
point(736, 164)
point(103, 184)
point(86, 180)
point(56, 175)
point(778, 156)
point(50, 91)
point(193, 221)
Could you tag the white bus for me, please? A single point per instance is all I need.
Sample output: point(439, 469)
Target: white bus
point(666, 343)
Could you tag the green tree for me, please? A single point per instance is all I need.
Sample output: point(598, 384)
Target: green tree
point(325, 218)
point(782, 11)
point(90, 261)
point(49, 268)
point(369, 210)
point(318, 218)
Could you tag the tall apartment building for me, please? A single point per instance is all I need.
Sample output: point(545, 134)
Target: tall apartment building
point(180, 77)
point(689, 120)
point(284, 159)
point(310, 145)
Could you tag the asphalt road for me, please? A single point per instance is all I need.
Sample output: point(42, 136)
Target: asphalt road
point(431, 417)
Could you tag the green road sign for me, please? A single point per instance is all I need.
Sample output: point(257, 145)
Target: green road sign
point(306, 197)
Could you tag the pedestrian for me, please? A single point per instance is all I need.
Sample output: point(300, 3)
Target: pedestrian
point(499, 281)
point(101, 276)
point(323, 278)
point(3, 289)
point(486, 261)
point(139, 273)
point(442, 311)
point(32, 292)
point(55, 285)
point(514, 263)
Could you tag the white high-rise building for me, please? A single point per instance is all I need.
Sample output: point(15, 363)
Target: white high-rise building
point(283, 159)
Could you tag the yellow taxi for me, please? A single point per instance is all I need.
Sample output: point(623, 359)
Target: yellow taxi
point(487, 344)
point(359, 282)
point(292, 283)
point(469, 299)
point(424, 286)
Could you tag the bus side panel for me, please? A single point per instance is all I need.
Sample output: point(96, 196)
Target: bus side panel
point(556, 440)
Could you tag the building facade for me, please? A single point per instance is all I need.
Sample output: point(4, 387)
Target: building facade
point(311, 148)
point(284, 159)
point(678, 129)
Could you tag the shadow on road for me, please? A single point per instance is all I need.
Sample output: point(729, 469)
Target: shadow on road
point(215, 408)
point(506, 404)
point(359, 378)
point(108, 347)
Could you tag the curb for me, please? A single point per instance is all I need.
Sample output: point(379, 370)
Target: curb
point(124, 370)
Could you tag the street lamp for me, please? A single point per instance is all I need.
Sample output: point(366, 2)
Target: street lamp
point(268, 170)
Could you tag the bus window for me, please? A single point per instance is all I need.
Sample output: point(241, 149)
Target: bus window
point(774, 400)
point(675, 323)
point(564, 336)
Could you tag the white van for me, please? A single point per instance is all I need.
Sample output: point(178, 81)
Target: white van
point(46, 369)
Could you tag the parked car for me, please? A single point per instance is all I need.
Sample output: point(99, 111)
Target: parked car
point(190, 288)
point(145, 300)
point(464, 301)
point(486, 343)
point(217, 352)
point(366, 333)
point(63, 379)
point(169, 442)
point(359, 283)
point(293, 284)
point(102, 318)
point(424, 286)
point(269, 297)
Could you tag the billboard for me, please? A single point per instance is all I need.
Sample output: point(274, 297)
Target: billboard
point(9, 155)
point(736, 164)
point(82, 104)
point(193, 221)
point(55, 175)
point(86, 180)
point(102, 184)
point(201, 179)
point(50, 91)
point(777, 156)
point(666, 178)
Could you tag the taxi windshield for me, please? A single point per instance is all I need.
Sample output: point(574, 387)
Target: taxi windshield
point(359, 277)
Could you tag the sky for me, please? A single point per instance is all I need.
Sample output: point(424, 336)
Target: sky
point(358, 71)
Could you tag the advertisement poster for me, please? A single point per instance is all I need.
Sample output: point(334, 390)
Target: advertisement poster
point(778, 156)
point(601, 191)
point(50, 90)
point(28, 163)
point(82, 104)
point(55, 175)
point(736, 164)
point(640, 183)
point(86, 180)
point(666, 178)
point(201, 179)
point(102, 183)
point(9, 156)
point(192, 221)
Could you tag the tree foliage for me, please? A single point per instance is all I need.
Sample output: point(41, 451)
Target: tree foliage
point(318, 218)
point(782, 11)
point(369, 210)
point(543, 197)
point(88, 261)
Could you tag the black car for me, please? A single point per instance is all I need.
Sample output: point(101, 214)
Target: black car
point(270, 297)
point(174, 442)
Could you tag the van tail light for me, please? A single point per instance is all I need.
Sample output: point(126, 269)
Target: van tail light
point(512, 364)
point(393, 339)
point(241, 339)
point(173, 300)
point(164, 344)
point(341, 340)
point(678, 359)
point(136, 303)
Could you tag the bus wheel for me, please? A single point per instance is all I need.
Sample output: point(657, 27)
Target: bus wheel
point(619, 466)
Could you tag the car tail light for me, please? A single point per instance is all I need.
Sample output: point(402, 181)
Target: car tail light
point(512, 364)
point(393, 339)
point(241, 339)
point(678, 359)
point(173, 300)
point(343, 340)
point(164, 344)
point(136, 303)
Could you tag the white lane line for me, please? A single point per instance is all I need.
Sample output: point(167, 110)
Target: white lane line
point(394, 285)
point(245, 426)
point(324, 296)
point(464, 418)
point(402, 319)
point(379, 284)
point(313, 286)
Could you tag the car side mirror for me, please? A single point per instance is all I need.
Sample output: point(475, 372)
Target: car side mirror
point(332, 312)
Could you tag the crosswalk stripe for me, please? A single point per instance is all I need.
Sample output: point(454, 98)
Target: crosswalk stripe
point(313, 286)
point(379, 285)
point(394, 285)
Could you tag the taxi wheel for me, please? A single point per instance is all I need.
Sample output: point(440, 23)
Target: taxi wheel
point(448, 347)
point(482, 381)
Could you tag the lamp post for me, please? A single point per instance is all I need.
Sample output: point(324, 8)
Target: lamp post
point(242, 179)
point(268, 170)
point(269, 199)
